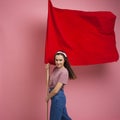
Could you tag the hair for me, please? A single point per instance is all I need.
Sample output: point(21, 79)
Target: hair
point(67, 64)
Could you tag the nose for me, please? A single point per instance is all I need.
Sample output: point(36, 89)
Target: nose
point(58, 62)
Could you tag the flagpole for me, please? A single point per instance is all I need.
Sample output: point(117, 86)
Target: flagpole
point(47, 82)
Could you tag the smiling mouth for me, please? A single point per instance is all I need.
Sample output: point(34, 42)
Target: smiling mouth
point(58, 64)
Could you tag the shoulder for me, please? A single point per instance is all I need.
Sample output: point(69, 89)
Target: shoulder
point(64, 71)
point(63, 76)
point(60, 71)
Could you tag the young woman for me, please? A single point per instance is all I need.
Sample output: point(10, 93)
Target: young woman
point(58, 79)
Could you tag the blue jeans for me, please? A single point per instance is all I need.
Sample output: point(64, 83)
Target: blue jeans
point(58, 109)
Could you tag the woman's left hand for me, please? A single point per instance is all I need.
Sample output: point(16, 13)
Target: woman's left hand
point(47, 99)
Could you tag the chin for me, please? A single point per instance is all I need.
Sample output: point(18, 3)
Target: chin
point(58, 66)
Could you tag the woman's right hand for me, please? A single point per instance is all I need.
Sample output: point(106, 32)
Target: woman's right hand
point(47, 66)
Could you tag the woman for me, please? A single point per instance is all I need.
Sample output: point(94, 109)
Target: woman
point(59, 77)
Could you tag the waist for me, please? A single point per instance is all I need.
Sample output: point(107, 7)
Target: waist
point(50, 89)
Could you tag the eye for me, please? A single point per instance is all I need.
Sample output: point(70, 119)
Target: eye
point(56, 59)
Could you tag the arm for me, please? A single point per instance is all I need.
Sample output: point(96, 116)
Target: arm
point(54, 91)
point(47, 75)
point(48, 70)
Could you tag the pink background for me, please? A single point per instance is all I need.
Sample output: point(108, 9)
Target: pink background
point(94, 95)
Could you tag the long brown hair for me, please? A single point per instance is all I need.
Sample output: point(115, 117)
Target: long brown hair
point(67, 64)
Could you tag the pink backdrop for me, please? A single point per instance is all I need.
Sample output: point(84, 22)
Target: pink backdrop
point(94, 95)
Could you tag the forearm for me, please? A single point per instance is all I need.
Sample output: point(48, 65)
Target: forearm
point(52, 93)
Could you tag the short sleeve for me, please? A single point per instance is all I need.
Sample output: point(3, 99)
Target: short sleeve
point(63, 77)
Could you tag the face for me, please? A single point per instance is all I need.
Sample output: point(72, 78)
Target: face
point(59, 61)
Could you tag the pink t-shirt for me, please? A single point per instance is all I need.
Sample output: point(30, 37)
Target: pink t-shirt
point(58, 75)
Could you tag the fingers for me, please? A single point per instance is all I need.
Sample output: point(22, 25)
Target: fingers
point(47, 99)
point(47, 66)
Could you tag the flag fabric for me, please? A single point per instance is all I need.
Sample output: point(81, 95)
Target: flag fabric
point(86, 37)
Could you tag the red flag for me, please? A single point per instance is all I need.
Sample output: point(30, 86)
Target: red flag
point(86, 37)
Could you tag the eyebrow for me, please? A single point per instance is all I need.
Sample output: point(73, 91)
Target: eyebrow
point(58, 59)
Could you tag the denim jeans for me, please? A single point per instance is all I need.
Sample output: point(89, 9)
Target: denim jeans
point(58, 109)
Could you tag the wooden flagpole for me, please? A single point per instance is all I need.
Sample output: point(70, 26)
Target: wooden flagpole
point(47, 82)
